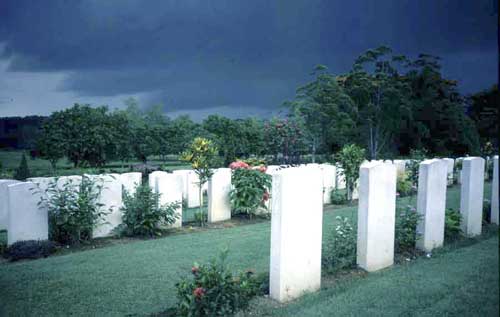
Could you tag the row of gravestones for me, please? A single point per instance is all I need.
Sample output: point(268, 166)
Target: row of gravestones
point(297, 211)
point(25, 218)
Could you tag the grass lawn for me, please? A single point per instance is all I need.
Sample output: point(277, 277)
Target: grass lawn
point(40, 168)
point(139, 277)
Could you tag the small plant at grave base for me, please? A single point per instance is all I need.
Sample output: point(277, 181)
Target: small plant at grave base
point(404, 185)
point(337, 197)
point(339, 249)
point(251, 186)
point(406, 229)
point(143, 215)
point(29, 249)
point(214, 291)
point(350, 158)
point(74, 210)
point(486, 211)
point(452, 222)
point(22, 172)
point(202, 155)
point(417, 156)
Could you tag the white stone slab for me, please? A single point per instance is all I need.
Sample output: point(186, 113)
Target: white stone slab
point(169, 186)
point(400, 166)
point(329, 173)
point(184, 178)
point(193, 186)
point(471, 195)
point(130, 181)
point(111, 198)
point(296, 233)
point(450, 165)
point(4, 203)
point(219, 186)
point(431, 203)
point(494, 192)
point(376, 216)
point(27, 219)
point(340, 182)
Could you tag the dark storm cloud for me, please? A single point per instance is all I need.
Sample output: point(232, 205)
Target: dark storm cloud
point(203, 54)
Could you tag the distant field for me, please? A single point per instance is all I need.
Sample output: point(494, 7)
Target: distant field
point(40, 167)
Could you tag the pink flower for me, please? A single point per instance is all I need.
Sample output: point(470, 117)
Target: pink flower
point(199, 292)
point(265, 197)
point(238, 164)
point(195, 270)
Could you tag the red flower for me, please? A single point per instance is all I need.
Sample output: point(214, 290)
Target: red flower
point(199, 292)
point(194, 270)
point(262, 168)
point(265, 197)
point(238, 164)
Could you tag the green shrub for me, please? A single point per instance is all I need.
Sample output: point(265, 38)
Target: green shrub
point(404, 185)
point(143, 215)
point(250, 189)
point(214, 291)
point(417, 156)
point(339, 249)
point(29, 249)
point(74, 210)
point(350, 158)
point(22, 172)
point(406, 229)
point(337, 197)
point(452, 224)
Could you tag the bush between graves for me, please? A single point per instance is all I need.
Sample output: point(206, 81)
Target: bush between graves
point(29, 249)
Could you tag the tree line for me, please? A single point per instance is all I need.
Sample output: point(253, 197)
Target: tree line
point(389, 104)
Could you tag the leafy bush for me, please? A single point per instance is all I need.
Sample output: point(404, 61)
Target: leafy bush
point(417, 156)
point(339, 249)
point(250, 188)
point(144, 215)
point(406, 229)
point(337, 197)
point(215, 291)
point(452, 224)
point(22, 172)
point(350, 158)
point(29, 249)
point(404, 185)
point(74, 210)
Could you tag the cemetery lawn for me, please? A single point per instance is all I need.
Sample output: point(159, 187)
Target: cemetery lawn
point(139, 277)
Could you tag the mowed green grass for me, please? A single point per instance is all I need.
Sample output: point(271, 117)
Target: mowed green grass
point(139, 277)
point(40, 168)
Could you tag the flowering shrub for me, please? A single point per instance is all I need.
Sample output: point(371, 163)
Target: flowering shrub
point(215, 291)
point(406, 229)
point(251, 187)
point(339, 250)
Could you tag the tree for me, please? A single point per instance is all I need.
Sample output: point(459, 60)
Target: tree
point(483, 110)
point(328, 113)
point(350, 159)
point(52, 142)
point(22, 172)
point(202, 155)
point(284, 137)
point(375, 87)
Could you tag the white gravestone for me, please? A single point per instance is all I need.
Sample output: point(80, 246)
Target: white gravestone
point(431, 203)
point(219, 186)
point(494, 192)
point(400, 166)
point(184, 178)
point(193, 187)
point(130, 182)
point(296, 233)
point(450, 164)
point(340, 181)
point(169, 186)
point(376, 216)
point(471, 195)
point(111, 198)
point(329, 173)
point(28, 220)
point(4, 204)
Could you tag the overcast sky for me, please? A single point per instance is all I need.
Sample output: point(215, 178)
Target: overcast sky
point(231, 57)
